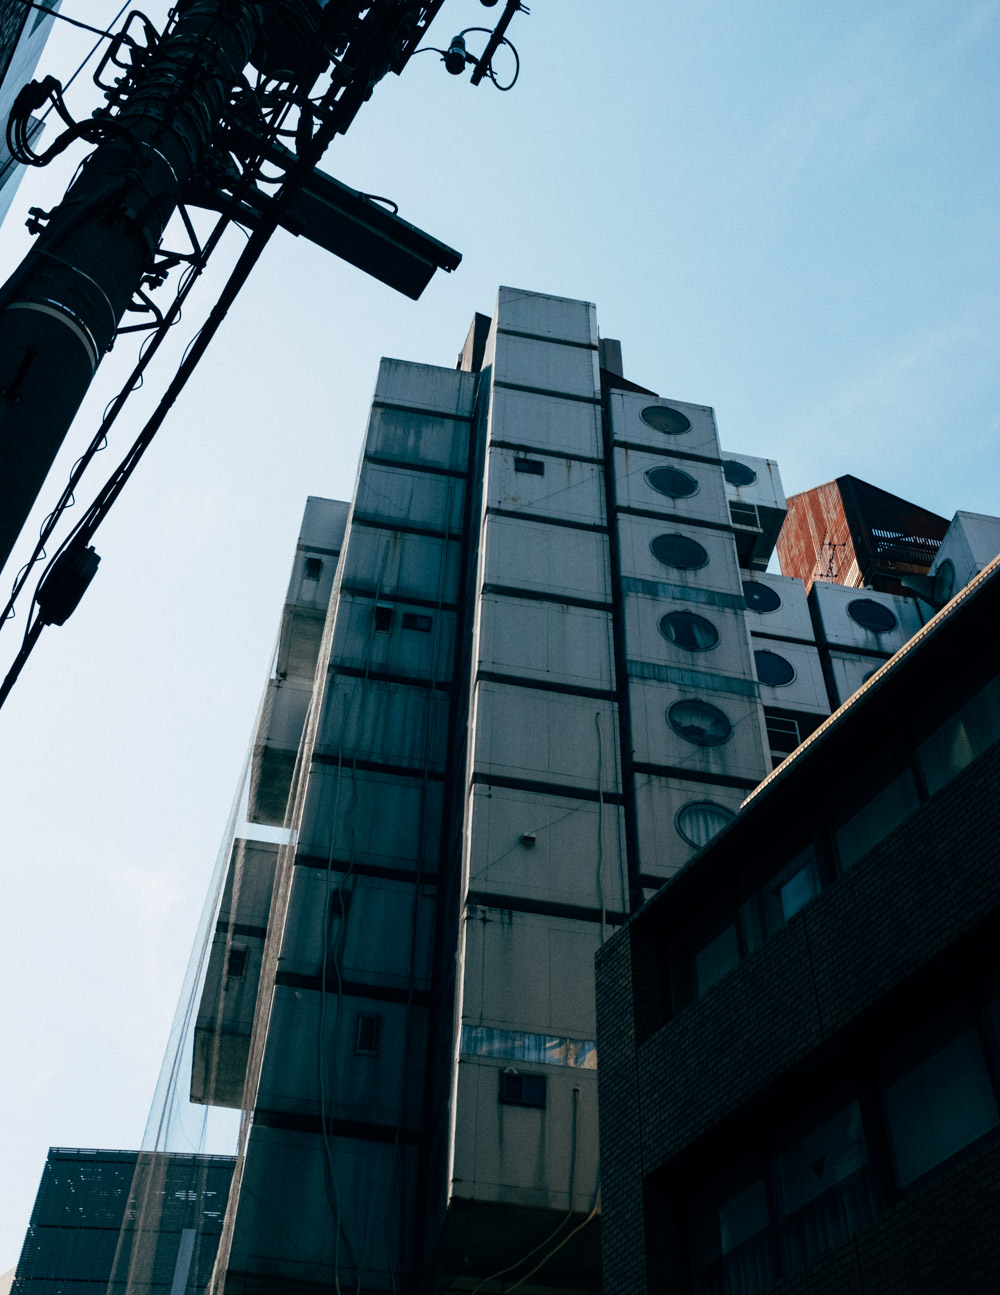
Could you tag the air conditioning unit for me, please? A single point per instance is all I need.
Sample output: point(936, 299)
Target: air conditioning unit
point(971, 542)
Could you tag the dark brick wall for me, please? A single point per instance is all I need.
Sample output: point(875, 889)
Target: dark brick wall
point(914, 897)
point(622, 1228)
point(917, 893)
point(940, 1240)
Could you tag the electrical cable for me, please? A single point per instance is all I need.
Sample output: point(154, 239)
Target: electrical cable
point(559, 1226)
point(74, 22)
point(565, 1241)
point(87, 57)
point(196, 349)
point(298, 173)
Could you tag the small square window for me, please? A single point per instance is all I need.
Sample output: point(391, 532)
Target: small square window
point(366, 1038)
point(383, 618)
point(535, 467)
point(782, 733)
point(413, 621)
point(517, 1089)
point(744, 515)
point(313, 568)
point(236, 962)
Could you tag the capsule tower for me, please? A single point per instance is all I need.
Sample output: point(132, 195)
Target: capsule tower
point(519, 683)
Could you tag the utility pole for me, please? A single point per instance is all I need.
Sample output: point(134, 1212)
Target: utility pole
point(61, 308)
point(186, 128)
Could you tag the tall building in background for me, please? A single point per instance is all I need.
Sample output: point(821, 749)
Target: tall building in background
point(23, 33)
point(514, 691)
point(86, 1208)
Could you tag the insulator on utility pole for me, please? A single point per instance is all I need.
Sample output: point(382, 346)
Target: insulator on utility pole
point(60, 309)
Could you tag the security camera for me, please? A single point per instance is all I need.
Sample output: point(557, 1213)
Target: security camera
point(455, 57)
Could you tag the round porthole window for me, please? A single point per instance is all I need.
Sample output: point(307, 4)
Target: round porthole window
point(760, 597)
point(700, 820)
point(944, 582)
point(738, 474)
point(678, 551)
point(664, 419)
point(699, 722)
point(773, 669)
point(688, 630)
point(672, 482)
point(871, 615)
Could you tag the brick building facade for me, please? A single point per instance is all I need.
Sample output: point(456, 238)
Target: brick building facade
point(800, 1034)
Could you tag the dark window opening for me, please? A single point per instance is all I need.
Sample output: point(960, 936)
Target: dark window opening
point(313, 568)
point(871, 615)
point(366, 1038)
point(689, 631)
point(699, 722)
point(678, 551)
point(760, 597)
point(786, 730)
point(236, 962)
point(383, 618)
point(738, 474)
point(773, 669)
point(664, 419)
point(744, 515)
point(672, 482)
point(414, 621)
point(521, 1090)
point(700, 820)
point(534, 467)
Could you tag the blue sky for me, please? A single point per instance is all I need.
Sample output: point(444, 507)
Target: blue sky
point(783, 208)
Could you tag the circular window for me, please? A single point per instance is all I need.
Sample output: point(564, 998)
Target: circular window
point(738, 474)
point(699, 821)
point(944, 582)
point(760, 597)
point(689, 631)
point(871, 615)
point(664, 419)
point(678, 551)
point(699, 722)
point(773, 669)
point(672, 482)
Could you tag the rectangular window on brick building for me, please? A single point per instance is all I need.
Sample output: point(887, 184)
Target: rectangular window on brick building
point(962, 738)
point(732, 1246)
point(938, 1099)
point(824, 1189)
point(879, 816)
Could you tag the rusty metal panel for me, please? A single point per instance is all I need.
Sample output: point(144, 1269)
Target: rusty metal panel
point(815, 542)
point(852, 533)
